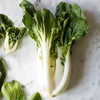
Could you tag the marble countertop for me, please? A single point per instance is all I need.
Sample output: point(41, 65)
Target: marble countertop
point(85, 79)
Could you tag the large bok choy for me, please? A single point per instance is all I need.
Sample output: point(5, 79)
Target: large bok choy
point(54, 36)
point(9, 34)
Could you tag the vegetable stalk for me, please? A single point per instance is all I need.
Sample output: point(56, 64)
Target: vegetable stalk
point(48, 80)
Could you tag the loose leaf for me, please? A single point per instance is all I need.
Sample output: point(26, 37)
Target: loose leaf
point(13, 91)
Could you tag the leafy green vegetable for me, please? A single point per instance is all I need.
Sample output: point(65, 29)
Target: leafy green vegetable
point(29, 10)
point(9, 34)
point(75, 27)
point(44, 30)
point(3, 71)
point(13, 91)
point(54, 37)
point(36, 96)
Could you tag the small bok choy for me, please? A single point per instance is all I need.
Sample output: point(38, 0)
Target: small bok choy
point(54, 36)
point(9, 34)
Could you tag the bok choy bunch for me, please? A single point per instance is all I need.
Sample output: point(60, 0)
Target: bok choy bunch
point(54, 36)
point(9, 34)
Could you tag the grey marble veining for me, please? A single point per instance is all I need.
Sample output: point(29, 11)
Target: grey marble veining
point(85, 79)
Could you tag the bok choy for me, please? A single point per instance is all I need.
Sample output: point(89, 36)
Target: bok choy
point(9, 34)
point(54, 37)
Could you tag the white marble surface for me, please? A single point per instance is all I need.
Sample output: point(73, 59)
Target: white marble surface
point(85, 80)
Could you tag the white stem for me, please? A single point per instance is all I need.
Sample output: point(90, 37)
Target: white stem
point(66, 76)
point(6, 45)
point(59, 68)
point(40, 68)
point(48, 80)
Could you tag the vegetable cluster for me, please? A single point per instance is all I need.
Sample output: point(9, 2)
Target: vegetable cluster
point(54, 37)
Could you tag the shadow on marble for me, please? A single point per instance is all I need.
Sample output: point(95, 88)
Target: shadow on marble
point(78, 57)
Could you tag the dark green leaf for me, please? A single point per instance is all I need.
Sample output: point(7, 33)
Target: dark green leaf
point(76, 12)
point(3, 71)
point(5, 22)
point(27, 19)
point(78, 27)
point(29, 11)
point(63, 10)
point(15, 33)
point(27, 7)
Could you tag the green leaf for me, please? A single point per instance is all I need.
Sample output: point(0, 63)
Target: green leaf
point(13, 91)
point(27, 7)
point(5, 23)
point(78, 27)
point(36, 96)
point(2, 32)
point(3, 71)
point(44, 27)
point(63, 10)
point(27, 20)
point(29, 11)
point(15, 33)
point(76, 12)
